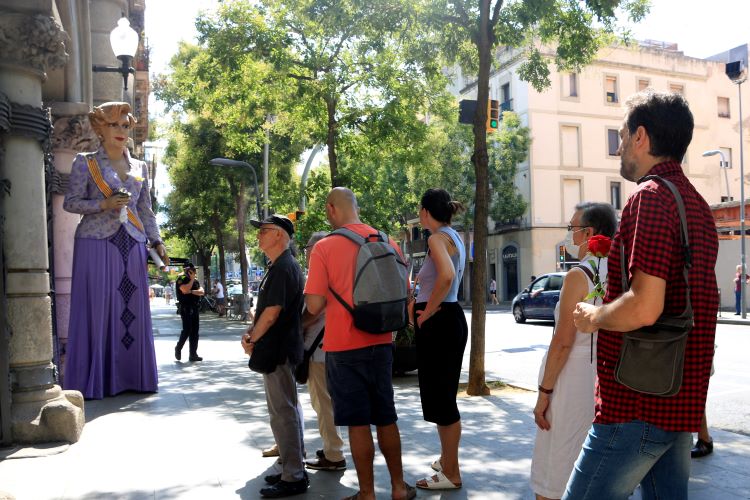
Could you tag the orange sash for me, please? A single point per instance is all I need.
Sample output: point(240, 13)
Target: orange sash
point(96, 174)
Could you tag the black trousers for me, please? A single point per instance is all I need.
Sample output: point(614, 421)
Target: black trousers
point(190, 323)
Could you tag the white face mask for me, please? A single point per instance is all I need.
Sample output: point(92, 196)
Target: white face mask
point(571, 247)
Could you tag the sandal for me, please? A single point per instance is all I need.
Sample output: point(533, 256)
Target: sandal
point(436, 465)
point(438, 482)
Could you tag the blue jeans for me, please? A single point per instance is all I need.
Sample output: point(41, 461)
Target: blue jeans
point(617, 457)
point(738, 301)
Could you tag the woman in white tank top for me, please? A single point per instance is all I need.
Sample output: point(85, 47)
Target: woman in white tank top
point(565, 404)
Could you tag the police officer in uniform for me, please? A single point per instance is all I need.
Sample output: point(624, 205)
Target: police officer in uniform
point(189, 293)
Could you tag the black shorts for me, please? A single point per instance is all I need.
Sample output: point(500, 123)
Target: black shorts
point(441, 342)
point(361, 386)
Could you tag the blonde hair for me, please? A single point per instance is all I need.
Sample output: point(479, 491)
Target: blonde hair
point(109, 112)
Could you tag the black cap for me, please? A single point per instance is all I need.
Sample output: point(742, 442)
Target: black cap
point(277, 220)
point(188, 265)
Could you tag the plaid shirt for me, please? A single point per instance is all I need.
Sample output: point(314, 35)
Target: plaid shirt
point(650, 231)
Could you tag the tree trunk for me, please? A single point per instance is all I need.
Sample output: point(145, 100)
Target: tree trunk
point(484, 41)
point(331, 141)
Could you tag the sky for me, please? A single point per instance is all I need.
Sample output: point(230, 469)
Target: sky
point(700, 28)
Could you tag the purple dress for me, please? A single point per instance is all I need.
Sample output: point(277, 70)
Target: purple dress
point(110, 341)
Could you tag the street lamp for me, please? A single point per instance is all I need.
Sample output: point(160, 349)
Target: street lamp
point(226, 162)
point(270, 120)
point(124, 42)
point(737, 74)
point(723, 164)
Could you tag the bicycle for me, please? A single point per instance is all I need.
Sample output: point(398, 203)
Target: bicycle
point(207, 303)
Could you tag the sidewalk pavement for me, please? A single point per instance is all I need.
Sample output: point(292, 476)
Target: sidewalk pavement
point(201, 437)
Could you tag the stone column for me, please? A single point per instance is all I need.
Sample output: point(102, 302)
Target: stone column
point(72, 135)
point(40, 410)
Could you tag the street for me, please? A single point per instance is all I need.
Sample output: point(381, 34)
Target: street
point(513, 353)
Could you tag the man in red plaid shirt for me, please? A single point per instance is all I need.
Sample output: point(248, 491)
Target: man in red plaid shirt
point(638, 438)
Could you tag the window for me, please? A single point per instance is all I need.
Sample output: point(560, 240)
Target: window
point(555, 282)
point(677, 88)
point(643, 84)
point(506, 103)
point(573, 84)
point(723, 105)
point(727, 157)
point(610, 87)
point(613, 141)
point(615, 194)
point(571, 195)
point(539, 285)
point(569, 146)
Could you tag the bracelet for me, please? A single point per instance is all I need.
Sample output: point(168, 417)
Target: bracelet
point(546, 391)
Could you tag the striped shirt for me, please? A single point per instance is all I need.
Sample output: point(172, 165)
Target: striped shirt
point(650, 233)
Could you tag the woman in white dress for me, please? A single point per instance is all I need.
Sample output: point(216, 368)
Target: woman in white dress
point(565, 404)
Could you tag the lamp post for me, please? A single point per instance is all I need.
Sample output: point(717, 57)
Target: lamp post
point(270, 120)
point(723, 164)
point(737, 74)
point(124, 42)
point(226, 162)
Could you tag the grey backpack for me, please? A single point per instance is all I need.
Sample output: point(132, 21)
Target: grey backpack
point(379, 290)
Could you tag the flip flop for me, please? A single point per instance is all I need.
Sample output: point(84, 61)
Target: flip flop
point(442, 483)
point(436, 465)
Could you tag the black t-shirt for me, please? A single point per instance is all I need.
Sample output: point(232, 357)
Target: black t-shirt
point(283, 285)
point(186, 300)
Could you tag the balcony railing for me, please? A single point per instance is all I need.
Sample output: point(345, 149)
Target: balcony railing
point(506, 105)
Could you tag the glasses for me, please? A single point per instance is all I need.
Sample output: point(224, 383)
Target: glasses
point(264, 229)
point(124, 126)
point(571, 227)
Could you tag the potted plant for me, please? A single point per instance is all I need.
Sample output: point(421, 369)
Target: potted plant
point(404, 350)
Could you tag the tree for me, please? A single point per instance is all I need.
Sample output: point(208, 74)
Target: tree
point(470, 31)
point(352, 64)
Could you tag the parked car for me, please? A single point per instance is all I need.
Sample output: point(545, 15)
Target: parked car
point(539, 299)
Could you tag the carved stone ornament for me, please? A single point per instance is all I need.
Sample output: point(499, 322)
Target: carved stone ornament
point(36, 41)
point(74, 133)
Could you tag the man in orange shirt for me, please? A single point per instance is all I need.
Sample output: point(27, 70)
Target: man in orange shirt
point(358, 363)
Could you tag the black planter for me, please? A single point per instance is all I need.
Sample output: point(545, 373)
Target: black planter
point(404, 359)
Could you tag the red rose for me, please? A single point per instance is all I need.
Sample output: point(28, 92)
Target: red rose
point(599, 245)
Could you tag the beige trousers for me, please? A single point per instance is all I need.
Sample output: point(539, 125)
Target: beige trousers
point(321, 402)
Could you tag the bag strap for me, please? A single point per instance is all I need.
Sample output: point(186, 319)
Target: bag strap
point(586, 270)
point(96, 174)
point(316, 343)
point(688, 312)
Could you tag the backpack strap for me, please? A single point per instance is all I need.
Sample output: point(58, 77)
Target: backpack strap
point(359, 240)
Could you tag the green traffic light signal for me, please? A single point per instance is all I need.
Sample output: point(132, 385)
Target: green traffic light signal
point(493, 123)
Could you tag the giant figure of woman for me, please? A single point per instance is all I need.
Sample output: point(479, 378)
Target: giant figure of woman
point(110, 341)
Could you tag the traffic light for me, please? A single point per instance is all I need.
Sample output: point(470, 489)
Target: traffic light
point(295, 216)
point(493, 115)
point(561, 251)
